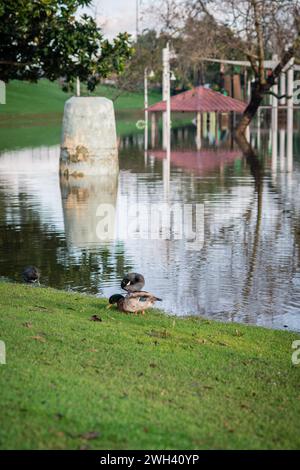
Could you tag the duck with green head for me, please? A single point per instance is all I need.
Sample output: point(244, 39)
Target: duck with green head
point(134, 302)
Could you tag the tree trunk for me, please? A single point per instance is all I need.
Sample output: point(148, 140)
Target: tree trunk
point(257, 96)
point(259, 90)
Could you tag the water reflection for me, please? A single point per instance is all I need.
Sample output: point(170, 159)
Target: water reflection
point(81, 199)
point(247, 270)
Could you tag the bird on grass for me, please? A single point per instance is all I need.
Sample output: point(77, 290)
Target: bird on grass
point(134, 302)
point(133, 282)
point(31, 275)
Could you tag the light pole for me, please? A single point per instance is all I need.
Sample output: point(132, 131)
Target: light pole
point(290, 115)
point(166, 94)
point(167, 77)
point(146, 76)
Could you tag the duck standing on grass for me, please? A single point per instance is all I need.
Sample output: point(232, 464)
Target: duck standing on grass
point(134, 302)
point(31, 275)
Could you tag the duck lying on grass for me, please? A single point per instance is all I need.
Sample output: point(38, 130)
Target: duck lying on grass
point(31, 275)
point(134, 302)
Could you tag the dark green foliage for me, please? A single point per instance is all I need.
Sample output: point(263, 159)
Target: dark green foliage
point(47, 38)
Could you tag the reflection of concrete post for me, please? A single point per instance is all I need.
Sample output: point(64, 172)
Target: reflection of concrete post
point(89, 209)
point(290, 115)
point(89, 140)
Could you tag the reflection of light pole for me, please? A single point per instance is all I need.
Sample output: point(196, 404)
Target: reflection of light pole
point(146, 75)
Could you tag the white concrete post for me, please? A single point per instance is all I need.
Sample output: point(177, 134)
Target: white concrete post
point(249, 90)
point(283, 88)
point(205, 125)
point(198, 134)
point(290, 115)
point(89, 140)
point(258, 128)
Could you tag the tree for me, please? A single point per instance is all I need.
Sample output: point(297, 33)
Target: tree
point(263, 27)
point(47, 38)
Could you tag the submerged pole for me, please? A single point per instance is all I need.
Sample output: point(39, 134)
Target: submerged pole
point(290, 115)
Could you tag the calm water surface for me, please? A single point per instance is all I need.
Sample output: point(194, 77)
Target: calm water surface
point(248, 269)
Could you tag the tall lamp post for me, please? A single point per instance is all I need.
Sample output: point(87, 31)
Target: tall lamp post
point(167, 77)
point(146, 76)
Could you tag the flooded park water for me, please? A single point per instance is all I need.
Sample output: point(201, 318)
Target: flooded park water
point(247, 268)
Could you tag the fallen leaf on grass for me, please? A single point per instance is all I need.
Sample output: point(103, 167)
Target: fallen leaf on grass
point(39, 338)
point(159, 334)
point(93, 350)
point(228, 427)
point(238, 333)
point(90, 435)
point(95, 318)
point(201, 341)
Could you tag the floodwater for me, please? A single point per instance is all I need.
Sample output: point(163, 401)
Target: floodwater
point(244, 267)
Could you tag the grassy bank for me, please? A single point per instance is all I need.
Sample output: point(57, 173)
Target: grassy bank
point(139, 382)
point(24, 98)
point(33, 112)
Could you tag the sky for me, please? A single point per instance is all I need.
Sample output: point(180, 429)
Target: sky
point(116, 15)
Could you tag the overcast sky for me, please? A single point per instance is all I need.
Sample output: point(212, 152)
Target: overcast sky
point(116, 15)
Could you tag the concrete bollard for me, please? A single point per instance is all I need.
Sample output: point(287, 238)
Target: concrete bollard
point(89, 141)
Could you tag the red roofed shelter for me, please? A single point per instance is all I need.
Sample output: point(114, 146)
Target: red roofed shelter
point(199, 100)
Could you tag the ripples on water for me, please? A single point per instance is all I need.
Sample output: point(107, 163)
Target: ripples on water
point(248, 268)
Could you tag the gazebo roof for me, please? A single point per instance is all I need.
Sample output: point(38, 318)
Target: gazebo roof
point(201, 99)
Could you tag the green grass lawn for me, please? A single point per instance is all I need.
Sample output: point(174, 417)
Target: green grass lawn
point(44, 97)
point(153, 382)
point(32, 114)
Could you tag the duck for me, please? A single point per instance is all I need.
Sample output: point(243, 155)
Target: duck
point(134, 302)
point(31, 275)
point(133, 282)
